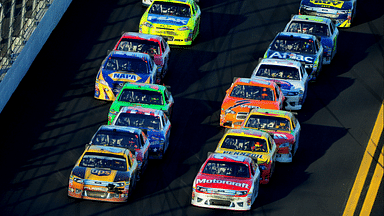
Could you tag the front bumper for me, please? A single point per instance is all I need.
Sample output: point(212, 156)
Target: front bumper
point(173, 37)
point(220, 201)
point(99, 193)
point(293, 102)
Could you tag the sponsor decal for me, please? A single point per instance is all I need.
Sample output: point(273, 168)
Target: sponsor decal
point(244, 154)
point(243, 104)
point(328, 3)
point(168, 19)
point(100, 172)
point(284, 84)
point(217, 181)
point(307, 59)
point(279, 136)
point(124, 77)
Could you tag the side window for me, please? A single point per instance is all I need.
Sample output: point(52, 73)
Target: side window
point(129, 158)
point(277, 93)
point(163, 46)
point(252, 168)
point(166, 96)
point(270, 141)
point(331, 30)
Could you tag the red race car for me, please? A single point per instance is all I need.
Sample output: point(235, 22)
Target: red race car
point(153, 45)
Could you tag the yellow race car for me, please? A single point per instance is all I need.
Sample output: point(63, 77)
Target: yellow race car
point(256, 144)
point(178, 21)
point(104, 173)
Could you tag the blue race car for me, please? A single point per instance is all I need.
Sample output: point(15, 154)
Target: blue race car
point(120, 67)
point(321, 27)
point(125, 137)
point(155, 122)
point(341, 12)
point(304, 48)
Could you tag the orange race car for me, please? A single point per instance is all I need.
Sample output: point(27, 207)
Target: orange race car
point(246, 94)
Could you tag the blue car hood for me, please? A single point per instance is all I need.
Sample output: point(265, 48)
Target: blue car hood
point(167, 20)
point(122, 76)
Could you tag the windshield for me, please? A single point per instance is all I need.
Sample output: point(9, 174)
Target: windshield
point(138, 120)
point(141, 96)
point(171, 9)
point(127, 64)
point(268, 122)
point(116, 139)
point(142, 46)
point(245, 143)
point(278, 72)
point(227, 169)
point(296, 45)
point(253, 92)
point(317, 29)
point(104, 161)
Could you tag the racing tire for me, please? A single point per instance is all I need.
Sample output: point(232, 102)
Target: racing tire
point(132, 186)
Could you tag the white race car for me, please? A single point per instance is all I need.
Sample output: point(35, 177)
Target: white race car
point(290, 75)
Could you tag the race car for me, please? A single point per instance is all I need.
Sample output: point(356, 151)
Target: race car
point(146, 3)
point(153, 45)
point(341, 12)
point(120, 67)
point(258, 145)
point(284, 127)
point(176, 20)
point(245, 94)
point(290, 75)
point(104, 173)
point(321, 27)
point(301, 47)
point(125, 137)
point(226, 182)
point(143, 95)
point(155, 122)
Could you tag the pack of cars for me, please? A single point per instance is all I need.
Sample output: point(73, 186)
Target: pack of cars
point(260, 129)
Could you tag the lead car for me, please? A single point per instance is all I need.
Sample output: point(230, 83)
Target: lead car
point(226, 182)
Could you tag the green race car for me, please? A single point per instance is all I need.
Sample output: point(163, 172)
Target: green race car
point(144, 95)
point(176, 20)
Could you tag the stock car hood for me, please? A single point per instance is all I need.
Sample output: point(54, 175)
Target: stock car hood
point(288, 85)
point(167, 20)
point(282, 137)
point(261, 157)
point(122, 76)
point(331, 4)
point(305, 58)
point(220, 182)
point(246, 105)
point(95, 174)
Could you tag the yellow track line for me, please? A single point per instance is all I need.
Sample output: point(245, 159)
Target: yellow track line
point(373, 187)
point(364, 166)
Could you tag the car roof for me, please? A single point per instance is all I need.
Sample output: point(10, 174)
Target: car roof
point(144, 86)
point(141, 36)
point(126, 54)
point(253, 81)
point(115, 128)
point(315, 19)
point(142, 111)
point(287, 35)
point(271, 112)
point(176, 1)
point(247, 132)
point(283, 62)
point(106, 150)
point(229, 158)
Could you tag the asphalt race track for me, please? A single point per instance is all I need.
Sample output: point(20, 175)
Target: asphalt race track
point(53, 114)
